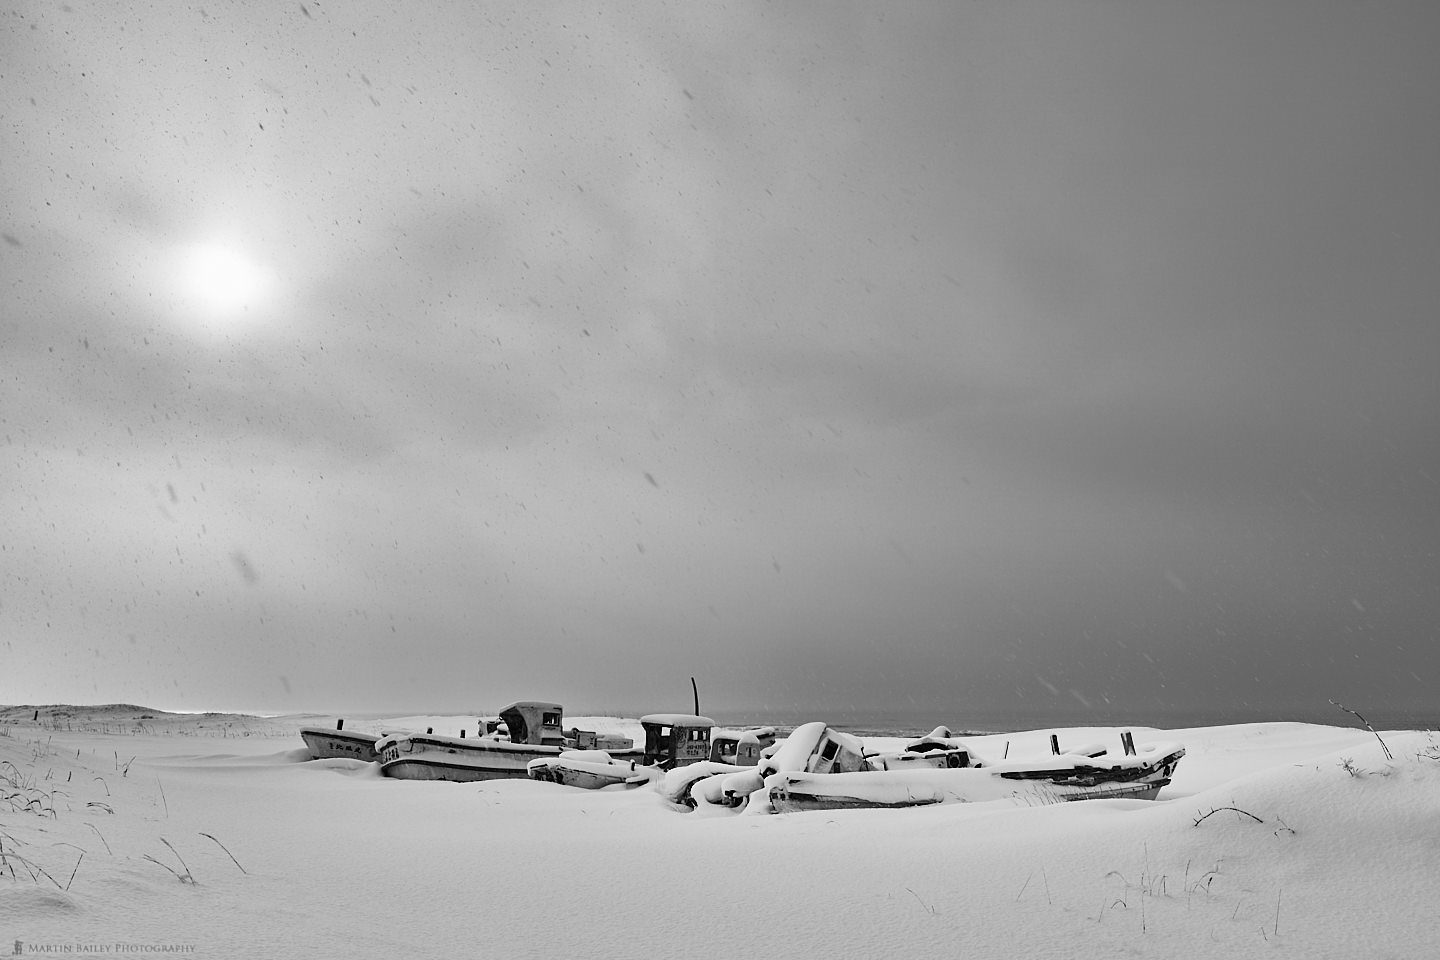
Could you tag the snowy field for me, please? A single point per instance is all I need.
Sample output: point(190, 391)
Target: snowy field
point(139, 834)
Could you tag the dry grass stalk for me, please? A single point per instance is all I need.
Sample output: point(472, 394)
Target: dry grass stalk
point(102, 838)
point(185, 877)
point(1388, 754)
point(231, 855)
point(76, 870)
point(1200, 820)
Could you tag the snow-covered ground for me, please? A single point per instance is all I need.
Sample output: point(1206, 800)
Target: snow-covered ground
point(213, 836)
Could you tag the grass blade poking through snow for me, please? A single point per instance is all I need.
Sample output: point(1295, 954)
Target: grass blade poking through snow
point(102, 838)
point(227, 853)
point(182, 877)
point(9, 858)
point(73, 872)
point(1200, 820)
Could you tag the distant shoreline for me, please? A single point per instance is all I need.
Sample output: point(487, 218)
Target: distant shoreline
point(859, 722)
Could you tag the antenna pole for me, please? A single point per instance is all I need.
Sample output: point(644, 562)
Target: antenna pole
point(696, 690)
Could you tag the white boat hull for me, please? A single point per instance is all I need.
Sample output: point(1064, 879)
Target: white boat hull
point(1059, 779)
point(427, 757)
point(463, 761)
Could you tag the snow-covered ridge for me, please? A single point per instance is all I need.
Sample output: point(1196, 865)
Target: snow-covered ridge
point(1296, 837)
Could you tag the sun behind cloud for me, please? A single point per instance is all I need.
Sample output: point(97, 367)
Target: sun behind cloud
point(223, 284)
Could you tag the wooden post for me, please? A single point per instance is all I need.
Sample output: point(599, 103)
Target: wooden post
point(340, 724)
point(1055, 744)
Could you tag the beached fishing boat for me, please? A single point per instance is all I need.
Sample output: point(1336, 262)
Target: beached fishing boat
point(1086, 774)
point(811, 746)
point(532, 731)
point(672, 741)
point(326, 743)
point(732, 773)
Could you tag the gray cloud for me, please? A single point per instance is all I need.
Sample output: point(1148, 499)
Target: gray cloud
point(1047, 358)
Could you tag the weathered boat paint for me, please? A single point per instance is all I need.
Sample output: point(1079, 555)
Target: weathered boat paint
point(676, 739)
point(327, 743)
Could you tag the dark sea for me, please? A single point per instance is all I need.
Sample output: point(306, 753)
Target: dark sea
point(912, 722)
point(960, 721)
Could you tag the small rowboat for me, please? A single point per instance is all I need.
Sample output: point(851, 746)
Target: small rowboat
point(590, 769)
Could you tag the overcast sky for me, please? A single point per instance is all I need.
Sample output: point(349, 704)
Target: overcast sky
point(888, 355)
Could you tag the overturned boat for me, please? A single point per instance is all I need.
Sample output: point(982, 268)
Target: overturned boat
point(532, 731)
point(938, 769)
point(328, 743)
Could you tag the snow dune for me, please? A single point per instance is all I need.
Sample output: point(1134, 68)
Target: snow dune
point(213, 836)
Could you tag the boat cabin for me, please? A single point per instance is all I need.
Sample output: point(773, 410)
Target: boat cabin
point(740, 748)
point(836, 752)
point(814, 748)
point(676, 739)
point(535, 722)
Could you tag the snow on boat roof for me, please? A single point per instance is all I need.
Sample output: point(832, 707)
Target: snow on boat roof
point(752, 735)
point(532, 705)
point(677, 720)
